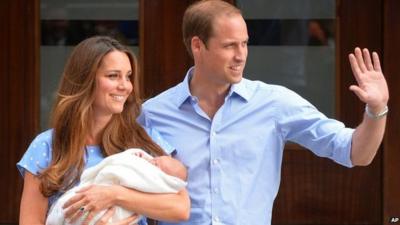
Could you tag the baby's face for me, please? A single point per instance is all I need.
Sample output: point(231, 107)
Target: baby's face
point(160, 161)
point(166, 164)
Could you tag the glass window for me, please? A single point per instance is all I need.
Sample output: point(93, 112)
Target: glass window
point(292, 43)
point(65, 23)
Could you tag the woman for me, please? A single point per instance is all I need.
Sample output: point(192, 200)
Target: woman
point(94, 116)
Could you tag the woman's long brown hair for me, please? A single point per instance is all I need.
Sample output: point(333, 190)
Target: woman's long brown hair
point(72, 111)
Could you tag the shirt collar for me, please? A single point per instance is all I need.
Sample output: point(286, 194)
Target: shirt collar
point(183, 90)
point(240, 89)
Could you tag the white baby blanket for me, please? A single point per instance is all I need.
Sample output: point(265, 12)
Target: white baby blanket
point(124, 169)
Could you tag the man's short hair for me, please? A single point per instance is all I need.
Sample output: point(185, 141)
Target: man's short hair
point(199, 17)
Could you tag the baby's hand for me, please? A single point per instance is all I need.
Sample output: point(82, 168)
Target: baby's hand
point(144, 156)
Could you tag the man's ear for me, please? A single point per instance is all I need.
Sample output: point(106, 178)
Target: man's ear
point(196, 44)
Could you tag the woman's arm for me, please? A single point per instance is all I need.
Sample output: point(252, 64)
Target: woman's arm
point(166, 207)
point(33, 204)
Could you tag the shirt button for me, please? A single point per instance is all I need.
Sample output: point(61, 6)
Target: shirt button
point(216, 190)
point(215, 161)
point(214, 133)
point(216, 219)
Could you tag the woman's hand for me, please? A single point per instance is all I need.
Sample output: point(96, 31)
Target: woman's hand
point(89, 201)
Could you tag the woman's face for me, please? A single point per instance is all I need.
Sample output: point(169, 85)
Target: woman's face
point(113, 84)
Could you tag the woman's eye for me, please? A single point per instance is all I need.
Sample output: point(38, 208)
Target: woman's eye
point(112, 76)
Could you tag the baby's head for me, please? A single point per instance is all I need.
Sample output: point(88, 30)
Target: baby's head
point(167, 164)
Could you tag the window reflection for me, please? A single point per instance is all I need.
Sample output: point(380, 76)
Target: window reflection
point(66, 32)
point(292, 43)
point(313, 32)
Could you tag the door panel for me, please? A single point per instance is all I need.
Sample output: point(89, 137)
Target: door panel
point(315, 190)
point(19, 85)
point(391, 153)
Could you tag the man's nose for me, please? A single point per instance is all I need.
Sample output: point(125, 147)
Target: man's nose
point(241, 53)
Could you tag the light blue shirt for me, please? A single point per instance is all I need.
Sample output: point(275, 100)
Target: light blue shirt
point(38, 156)
point(234, 160)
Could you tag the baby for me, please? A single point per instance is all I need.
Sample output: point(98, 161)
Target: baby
point(132, 168)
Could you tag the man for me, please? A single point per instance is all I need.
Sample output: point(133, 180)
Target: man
point(230, 132)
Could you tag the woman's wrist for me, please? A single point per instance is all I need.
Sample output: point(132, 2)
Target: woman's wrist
point(122, 195)
point(116, 193)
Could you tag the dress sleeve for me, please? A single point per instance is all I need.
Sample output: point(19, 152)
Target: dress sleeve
point(38, 155)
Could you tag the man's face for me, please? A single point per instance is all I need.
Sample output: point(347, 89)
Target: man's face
point(222, 60)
